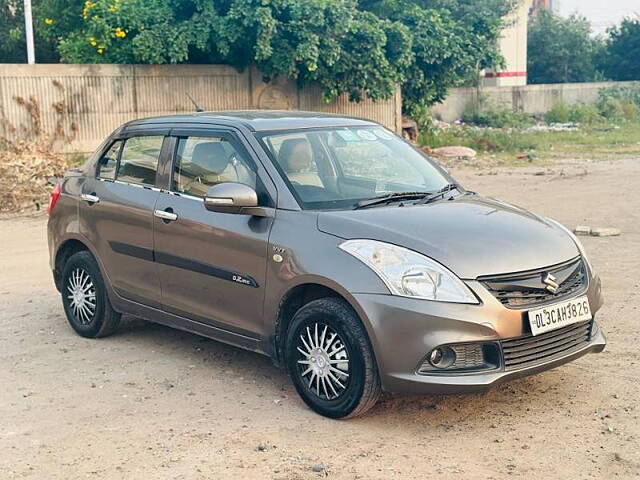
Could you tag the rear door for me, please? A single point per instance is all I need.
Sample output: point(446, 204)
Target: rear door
point(212, 265)
point(116, 212)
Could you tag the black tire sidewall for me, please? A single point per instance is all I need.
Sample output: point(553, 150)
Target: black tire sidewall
point(85, 261)
point(336, 318)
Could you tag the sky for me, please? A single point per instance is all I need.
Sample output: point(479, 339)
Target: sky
point(601, 13)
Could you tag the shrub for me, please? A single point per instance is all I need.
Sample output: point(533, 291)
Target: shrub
point(620, 103)
point(482, 140)
point(582, 114)
point(496, 117)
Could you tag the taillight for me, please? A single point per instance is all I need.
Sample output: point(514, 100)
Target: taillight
point(54, 198)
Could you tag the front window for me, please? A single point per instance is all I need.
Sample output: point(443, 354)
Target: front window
point(336, 168)
point(202, 162)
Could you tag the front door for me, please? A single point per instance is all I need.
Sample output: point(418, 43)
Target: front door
point(116, 212)
point(212, 265)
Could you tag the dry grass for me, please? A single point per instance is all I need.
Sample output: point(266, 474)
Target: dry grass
point(27, 158)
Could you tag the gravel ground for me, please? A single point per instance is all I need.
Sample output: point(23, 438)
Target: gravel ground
point(150, 402)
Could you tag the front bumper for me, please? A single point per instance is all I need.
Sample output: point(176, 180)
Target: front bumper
point(403, 331)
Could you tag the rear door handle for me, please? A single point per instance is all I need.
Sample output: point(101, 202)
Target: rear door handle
point(90, 198)
point(164, 215)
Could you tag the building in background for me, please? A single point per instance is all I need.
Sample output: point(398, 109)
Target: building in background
point(538, 5)
point(513, 45)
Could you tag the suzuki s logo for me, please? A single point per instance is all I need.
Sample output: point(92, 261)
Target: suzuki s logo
point(551, 283)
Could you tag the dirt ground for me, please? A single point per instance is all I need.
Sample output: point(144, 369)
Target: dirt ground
point(150, 402)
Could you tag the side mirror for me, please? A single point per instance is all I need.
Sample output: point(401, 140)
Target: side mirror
point(230, 197)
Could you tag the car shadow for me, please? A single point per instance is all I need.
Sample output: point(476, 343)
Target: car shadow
point(511, 399)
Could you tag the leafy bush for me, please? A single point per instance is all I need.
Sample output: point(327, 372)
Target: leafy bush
point(581, 114)
point(497, 117)
point(480, 139)
point(354, 47)
point(620, 103)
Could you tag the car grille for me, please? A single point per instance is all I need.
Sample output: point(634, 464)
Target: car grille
point(525, 351)
point(526, 290)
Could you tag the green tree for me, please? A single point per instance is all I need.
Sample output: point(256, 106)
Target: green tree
point(13, 47)
point(345, 46)
point(561, 49)
point(452, 41)
point(621, 57)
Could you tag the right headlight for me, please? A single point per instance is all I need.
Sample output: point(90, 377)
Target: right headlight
point(410, 274)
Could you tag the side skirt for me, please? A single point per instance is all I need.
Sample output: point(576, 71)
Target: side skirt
point(181, 323)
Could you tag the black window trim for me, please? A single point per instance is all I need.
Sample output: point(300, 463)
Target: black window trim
point(123, 137)
point(102, 154)
point(215, 131)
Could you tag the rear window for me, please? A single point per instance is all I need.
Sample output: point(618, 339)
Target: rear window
point(139, 160)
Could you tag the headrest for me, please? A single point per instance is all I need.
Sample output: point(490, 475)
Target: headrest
point(295, 155)
point(210, 156)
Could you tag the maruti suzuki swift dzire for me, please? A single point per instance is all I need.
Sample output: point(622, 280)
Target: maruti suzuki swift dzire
point(325, 242)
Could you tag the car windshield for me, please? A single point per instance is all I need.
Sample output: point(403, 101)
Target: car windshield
point(336, 168)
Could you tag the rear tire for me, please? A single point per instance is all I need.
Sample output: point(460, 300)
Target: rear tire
point(330, 359)
point(85, 299)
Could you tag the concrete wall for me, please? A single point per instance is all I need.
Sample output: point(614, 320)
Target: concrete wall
point(533, 99)
point(102, 97)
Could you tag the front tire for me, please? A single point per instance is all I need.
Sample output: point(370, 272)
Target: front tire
point(85, 299)
point(330, 359)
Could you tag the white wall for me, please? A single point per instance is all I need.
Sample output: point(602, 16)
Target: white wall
point(533, 99)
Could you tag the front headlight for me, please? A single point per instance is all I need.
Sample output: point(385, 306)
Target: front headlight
point(410, 274)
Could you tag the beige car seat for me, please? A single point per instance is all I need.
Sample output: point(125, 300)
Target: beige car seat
point(219, 165)
point(296, 159)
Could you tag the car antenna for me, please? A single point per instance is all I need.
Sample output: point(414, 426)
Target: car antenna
point(198, 108)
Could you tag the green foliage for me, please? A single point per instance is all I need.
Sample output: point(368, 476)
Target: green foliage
point(621, 58)
point(354, 47)
point(497, 117)
point(479, 139)
point(13, 44)
point(451, 40)
point(620, 103)
point(561, 50)
point(580, 114)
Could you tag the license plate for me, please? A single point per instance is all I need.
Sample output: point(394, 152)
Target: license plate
point(559, 315)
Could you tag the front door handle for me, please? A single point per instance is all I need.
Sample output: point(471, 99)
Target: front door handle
point(90, 198)
point(164, 215)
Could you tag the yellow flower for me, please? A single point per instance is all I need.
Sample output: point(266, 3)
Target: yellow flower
point(93, 43)
point(48, 21)
point(120, 33)
point(88, 5)
point(101, 51)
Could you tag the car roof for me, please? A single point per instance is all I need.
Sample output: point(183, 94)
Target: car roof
point(259, 120)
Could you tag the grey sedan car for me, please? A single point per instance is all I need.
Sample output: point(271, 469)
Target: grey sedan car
point(327, 243)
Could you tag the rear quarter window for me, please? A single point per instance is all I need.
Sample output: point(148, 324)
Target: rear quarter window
point(109, 162)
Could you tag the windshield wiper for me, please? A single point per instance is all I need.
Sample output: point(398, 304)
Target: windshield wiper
point(439, 194)
point(392, 197)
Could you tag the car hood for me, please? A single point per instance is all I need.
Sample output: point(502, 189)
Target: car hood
point(471, 235)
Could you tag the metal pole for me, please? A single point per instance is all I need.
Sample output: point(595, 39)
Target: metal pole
point(28, 28)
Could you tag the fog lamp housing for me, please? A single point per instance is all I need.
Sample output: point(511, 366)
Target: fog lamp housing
point(461, 358)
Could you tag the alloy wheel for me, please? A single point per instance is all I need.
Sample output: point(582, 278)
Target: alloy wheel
point(82, 296)
point(323, 361)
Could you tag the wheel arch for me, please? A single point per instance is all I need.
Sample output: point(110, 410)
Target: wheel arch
point(298, 296)
point(67, 248)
